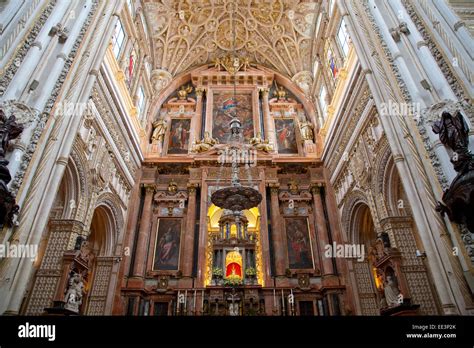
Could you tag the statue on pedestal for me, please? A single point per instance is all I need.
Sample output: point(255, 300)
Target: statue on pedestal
point(9, 130)
point(260, 144)
point(74, 293)
point(306, 129)
point(391, 292)
point(159, 129)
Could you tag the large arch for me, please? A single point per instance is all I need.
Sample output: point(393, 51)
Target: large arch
point(396, 220)
point(363, 232)
point(59, 236)
point(358, 225)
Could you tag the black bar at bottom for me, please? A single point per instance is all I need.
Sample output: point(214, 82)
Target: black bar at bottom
point(430, 331)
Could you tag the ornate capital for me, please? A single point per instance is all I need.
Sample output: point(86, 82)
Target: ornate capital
point(274, 188)
point(200, 91)
point(149, 188)
point(264, 91)
point(192, 188)
point(316, 188)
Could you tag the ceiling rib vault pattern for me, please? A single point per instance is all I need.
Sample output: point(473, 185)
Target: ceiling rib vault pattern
point(274, 33)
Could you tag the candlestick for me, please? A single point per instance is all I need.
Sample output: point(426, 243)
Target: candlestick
point(282, 303)
point(185, 300)
point(177, 304)
point(202, 302)
point(292, 304)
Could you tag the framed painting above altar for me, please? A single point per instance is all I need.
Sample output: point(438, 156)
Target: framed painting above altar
point(223, 108)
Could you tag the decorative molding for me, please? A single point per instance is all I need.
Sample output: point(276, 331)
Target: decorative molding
point(277, 34)
point(43, 117)
point(12, 66)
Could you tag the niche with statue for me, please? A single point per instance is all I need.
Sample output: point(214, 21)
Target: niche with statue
point(391, 284)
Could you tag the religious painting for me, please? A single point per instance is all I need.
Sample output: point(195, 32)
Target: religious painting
point(299, 243)
point(167, 245)
point(286, 136)
point(224, 108)
point(179, 136)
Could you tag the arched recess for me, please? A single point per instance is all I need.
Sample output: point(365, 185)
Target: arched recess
point(70, 193)
point(360, 228)
point(398, 223)
point(62, 230)
point(104, 229)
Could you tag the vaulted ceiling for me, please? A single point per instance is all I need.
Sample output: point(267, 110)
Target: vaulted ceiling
point(274, 33)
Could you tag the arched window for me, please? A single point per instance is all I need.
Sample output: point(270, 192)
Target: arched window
point(343, 39)
point(132, 58)
point(332, 62)
point(118, 38)
point(141, 103)
point(323, 102)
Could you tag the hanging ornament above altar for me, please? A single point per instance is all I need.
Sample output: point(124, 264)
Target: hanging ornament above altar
point(232, 64)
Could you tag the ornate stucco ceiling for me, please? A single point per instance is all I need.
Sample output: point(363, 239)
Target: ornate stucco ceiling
point(274, 33)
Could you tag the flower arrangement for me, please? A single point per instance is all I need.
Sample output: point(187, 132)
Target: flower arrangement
point(217, 272)
point(232, 280)
point(250, 271)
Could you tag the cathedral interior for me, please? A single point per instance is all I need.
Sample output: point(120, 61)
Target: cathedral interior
point(236, 157)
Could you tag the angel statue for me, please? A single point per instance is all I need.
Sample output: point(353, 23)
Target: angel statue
point(260, 144)
point(205, 144)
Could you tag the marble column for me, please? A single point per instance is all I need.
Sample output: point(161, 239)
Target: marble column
point(279, 251)
point(196, 122)
point(144, 233)
point(321, 231)
point(187, 257)
point(267, 119)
